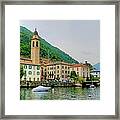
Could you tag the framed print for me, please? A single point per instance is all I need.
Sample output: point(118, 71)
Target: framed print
point(60, 60)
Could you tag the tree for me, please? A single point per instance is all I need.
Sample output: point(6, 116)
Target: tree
point(80, 79)
point(21, 71)
point(91, 77)
point(90, 66)
point(73, 75)
point(96, 78)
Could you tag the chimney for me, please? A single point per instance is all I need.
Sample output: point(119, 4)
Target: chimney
point(85, 62)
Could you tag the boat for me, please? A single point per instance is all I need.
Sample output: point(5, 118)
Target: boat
point(92, 86)
point(78, 85)
point(89, 95)
point(41, 89)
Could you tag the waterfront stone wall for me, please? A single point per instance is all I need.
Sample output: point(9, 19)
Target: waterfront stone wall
point(45, 83)
point(54, 83)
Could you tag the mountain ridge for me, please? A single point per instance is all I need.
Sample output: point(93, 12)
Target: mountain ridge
point(47, 50)
point(96, 66)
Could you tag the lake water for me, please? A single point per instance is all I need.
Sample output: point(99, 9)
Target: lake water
point(61, 93)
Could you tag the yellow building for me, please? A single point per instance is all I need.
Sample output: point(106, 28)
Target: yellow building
point(56, 70)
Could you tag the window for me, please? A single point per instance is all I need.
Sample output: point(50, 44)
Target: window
point(78, 73)
point(30, 66)
point(87, 74)
point(45, 73)
point(30, 73)
point(58, 71)
point(62, 71)
point(36, 43)
point(68, 72)
point(29, 79)
point(25, 66)
point(37, 79)
point(62, 67)
point(65, 67)
point(52, 75)
point(38, 73)
point(83, 74)
point(62, 76)
point(77, 68)
point(57, 67)
point(33, 44)
point(45, 69)
point(51, 68)
point(34, 79)
point(38, 67)
point(65, 71)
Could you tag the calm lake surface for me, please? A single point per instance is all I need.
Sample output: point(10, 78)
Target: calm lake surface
point(61, 93)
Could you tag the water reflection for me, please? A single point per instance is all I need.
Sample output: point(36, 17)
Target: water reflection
point(61, 93)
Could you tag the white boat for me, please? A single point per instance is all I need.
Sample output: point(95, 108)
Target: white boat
point(41, 89)
point(78, 85)
point(89, 95)
point(92, 86)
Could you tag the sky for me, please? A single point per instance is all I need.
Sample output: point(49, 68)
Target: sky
point(78, 38)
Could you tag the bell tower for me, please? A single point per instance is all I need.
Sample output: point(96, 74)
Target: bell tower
point(35, 48)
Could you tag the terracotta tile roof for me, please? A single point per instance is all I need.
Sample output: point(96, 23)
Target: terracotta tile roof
point(59, 63)
point(21, 58)
point(79, 65)
point(26, 61)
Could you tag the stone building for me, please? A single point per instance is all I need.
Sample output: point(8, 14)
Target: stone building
point(81, 70)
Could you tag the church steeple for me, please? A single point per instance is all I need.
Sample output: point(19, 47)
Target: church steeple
point(35, 48)
point(35, 32)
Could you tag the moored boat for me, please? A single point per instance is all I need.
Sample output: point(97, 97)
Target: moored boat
point(92, 86)
point(78, 85)
point(41, 89)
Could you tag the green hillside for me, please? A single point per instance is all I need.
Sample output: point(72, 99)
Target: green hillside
point(46, 49)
